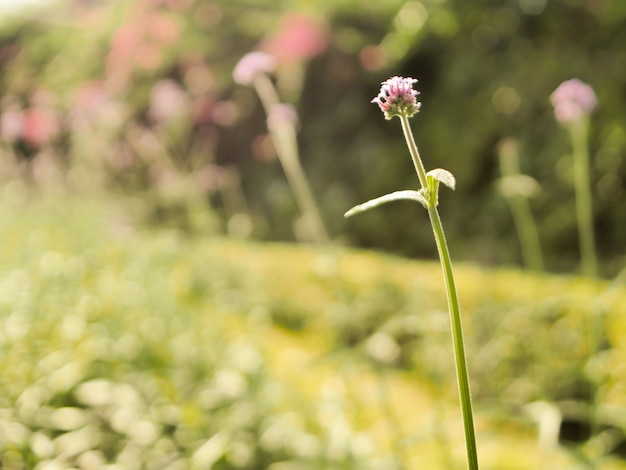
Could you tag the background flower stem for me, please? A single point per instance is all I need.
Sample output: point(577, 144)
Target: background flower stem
point(525, 225)
point(285, 142)
point(584, 211)
point(453, 305)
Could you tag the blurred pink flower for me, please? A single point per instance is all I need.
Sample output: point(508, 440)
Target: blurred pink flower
point(572, 100)
point(40, 126)
point(373, 57)
point(93, 104)
point(197, 76)
point(168, 101)
point(162, 29)
point(251, 65)
point(125, 41)
point(224, 113)
point(89, 97)
point(11, 123)
point(149, 57)
point(120, 58)
point(300, 37)
point(202, 110)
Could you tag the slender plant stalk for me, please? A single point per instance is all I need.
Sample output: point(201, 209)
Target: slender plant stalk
point(457, 338)
point(415, 155)
point(527, 232)
point(398, 98)
point(573, 102)
point(453, 305)
point(286, 147)
point(584, 211)
point(520, 210)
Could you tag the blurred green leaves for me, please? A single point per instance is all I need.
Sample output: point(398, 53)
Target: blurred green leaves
point(121, 345)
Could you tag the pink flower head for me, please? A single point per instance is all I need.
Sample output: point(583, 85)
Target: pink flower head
point(398, 98)
point(251, 65)
point(573, 100)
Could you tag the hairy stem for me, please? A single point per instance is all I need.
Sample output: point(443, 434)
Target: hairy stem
point(453, 305)
point(457, 338)
point(415, 155)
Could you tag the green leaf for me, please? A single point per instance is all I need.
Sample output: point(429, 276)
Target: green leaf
point(395, 196)
point(443, 176)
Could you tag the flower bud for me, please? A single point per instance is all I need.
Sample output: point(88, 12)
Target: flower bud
point(398, 98)
point(573, 100)
point(251, 65)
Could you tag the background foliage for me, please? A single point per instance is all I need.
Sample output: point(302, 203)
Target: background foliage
point(121, 346)
point(139, 95)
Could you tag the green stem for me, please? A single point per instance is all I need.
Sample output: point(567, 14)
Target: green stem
point(584, 212)
point(527, 232)
point(266, 91)
point(520, 208)
point(415, 155)
point(453, 306)
point(287, 150)
point(457, 338)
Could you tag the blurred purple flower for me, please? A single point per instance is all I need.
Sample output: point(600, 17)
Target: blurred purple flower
point(373, 57)
point(281, 114)
point(573, 100)
point(251, 65)
point(168, 101)
point(398, 98)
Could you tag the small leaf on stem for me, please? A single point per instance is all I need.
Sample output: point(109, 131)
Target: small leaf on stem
point(395, 196)
point(443, 176)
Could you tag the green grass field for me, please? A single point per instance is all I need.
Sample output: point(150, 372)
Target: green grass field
point(124, 348)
